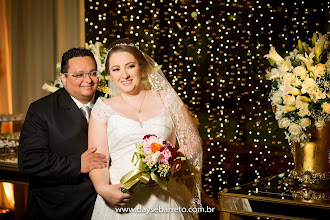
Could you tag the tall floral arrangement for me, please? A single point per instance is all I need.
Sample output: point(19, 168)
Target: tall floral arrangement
point(300, 94)
point(100, 53)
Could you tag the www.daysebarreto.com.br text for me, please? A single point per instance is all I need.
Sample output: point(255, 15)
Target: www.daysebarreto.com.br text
point(160, 209)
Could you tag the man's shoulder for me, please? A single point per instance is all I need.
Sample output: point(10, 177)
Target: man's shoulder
point(46, 101)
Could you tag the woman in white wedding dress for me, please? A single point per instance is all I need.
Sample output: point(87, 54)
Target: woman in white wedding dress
point(144, 103)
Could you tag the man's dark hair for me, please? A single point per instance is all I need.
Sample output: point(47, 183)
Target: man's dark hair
point(74, 52)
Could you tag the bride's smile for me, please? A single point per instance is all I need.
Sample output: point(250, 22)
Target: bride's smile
point(126, 82)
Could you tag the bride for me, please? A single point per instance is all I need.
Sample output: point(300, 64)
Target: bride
point(143, 103)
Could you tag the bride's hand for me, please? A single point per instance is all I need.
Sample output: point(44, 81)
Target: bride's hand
point(114, 196)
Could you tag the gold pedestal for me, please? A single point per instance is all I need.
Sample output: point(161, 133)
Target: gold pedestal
point(312, 160)
point(308, 195)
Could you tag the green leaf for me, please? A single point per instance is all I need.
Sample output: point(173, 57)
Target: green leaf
point(272, 62)
point(301, 47)
point(314, 39)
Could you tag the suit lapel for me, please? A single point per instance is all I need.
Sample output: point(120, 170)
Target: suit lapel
point(72, 111)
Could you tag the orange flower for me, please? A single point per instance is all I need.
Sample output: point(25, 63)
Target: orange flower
point(156, 147)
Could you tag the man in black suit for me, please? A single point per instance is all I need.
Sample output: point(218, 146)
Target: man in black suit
point(53, 147)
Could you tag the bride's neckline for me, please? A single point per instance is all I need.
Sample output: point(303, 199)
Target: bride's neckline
point(116, 113)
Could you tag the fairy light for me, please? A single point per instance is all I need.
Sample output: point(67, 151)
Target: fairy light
point(212, 54)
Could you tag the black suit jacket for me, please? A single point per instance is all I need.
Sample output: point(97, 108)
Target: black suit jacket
point(53, 137)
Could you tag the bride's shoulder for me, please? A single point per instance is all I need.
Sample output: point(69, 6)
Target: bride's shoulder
point(102, 109)
point(107, 101)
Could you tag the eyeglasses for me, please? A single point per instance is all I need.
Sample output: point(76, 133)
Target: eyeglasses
point(92, 74)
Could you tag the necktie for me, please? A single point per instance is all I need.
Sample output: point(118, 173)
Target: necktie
point(86, 111)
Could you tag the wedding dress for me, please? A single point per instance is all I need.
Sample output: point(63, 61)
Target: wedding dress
point(149, 202)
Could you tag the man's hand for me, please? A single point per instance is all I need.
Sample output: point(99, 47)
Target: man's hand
point(91, 160)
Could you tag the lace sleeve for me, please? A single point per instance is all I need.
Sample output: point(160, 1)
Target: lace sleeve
point(188, 137)
point(186, 130)
point(189, 143)
point(101, 111)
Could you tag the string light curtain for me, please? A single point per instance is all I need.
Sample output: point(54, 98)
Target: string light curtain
point(212, 53)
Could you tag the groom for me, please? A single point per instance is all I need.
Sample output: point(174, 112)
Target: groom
point(53, 144)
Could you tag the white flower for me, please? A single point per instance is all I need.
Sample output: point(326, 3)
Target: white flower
point(293, 54)
point(274, 56)
point(49, 88)
point(155, 156)
point(307, 59)
point(289, 78)
point(279, 113)
point(277, 98)
point(284, 122)
point(304, 111)
point(299, 102)
point(305, 122)
point(273, 74)
point(295, 129)
point(318, 70)
point(317, 94)
point(319, 124)
point(294, 91)
point(300, 72)
point(289, 100)
point(308, 85)
point(326, 107)
point(286, 65)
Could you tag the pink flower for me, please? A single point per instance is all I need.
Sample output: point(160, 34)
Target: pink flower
point(147, 141)
point(165, 156)
point(177, 166)
point(147, 149)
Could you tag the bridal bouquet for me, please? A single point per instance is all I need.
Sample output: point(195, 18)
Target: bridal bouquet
point(155, 158)
point(300, 93)
point(100, 53)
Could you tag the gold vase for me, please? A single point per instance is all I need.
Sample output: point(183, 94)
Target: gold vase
point(312, 160)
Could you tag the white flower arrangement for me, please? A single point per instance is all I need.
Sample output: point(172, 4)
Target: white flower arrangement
point(300, 93)
point(100, 53)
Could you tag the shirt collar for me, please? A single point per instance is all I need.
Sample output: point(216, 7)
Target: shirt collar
point(79, 104)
